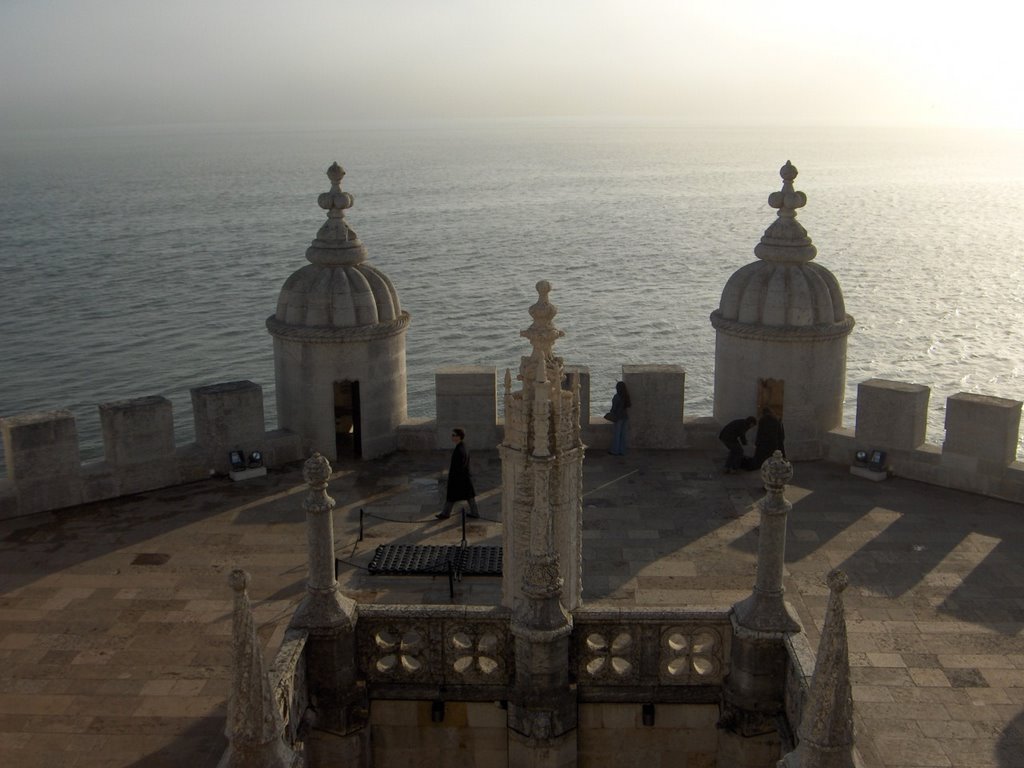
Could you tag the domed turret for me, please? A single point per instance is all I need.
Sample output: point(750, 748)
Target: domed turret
point(339, 343)
point(781, 333)
point(339, 288)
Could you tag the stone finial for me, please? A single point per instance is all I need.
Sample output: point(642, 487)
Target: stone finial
point(336, 243)
point(316, 472)
point(786, 240)
point(776, 472)
point(542, 333)
point(335, 201)
point(255, 726)
point(826, 730)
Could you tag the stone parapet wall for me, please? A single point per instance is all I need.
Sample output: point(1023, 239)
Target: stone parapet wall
point(45, 472)
point(978, 454)
point(44, 469)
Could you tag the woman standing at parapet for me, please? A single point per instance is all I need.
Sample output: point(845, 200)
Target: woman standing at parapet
point(619, 415)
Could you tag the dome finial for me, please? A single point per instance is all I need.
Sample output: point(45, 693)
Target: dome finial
point(336, 243)
point(786, 240)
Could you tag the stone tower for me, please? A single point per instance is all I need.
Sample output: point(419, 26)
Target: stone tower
point(542, 506)
point(339, 344)
point(781, 330)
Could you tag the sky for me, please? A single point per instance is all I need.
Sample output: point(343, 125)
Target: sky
point(87, 63)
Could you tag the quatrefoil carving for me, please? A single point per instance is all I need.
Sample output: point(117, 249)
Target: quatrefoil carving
point(687, 654)
point(475, 653)
point(608, 655)
point(399, 651)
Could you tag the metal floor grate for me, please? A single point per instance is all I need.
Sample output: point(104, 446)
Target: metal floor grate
point(433, 560)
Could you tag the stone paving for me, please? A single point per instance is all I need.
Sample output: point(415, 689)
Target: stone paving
point(115, 617)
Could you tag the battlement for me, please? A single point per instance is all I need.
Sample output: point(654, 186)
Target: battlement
point(45, 471)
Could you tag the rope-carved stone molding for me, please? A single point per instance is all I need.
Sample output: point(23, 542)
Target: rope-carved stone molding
point(786, 333)
point(323, 334)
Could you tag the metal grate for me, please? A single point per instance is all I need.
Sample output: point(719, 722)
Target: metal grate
point(433, 560)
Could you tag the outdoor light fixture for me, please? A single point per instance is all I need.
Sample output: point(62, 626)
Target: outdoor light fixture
point(861, 457)
point(647, 714)
point(437, 711)
point(237, 459)
point(255, 459)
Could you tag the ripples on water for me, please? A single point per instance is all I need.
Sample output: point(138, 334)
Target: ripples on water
point(143, 263)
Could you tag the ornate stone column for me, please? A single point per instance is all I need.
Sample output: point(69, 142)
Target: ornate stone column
point(753, 690)
point(542, 473)
point(826, 728)
point(255, 728)
point(339, 735)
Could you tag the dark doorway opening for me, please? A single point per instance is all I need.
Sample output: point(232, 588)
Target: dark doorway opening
point(347, 434)
point(770, 395)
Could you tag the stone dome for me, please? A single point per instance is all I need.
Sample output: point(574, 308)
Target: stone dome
point(338, 289)
point(784, 288)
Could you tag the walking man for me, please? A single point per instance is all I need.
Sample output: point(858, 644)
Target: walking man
point(460, 480)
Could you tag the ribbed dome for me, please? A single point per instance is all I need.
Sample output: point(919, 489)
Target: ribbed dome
point(767, 293)
point(339, 288)
point(340, 296)
point(784, 287)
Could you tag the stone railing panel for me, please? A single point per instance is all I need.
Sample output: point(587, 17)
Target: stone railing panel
point(434, 645)
point(661, 647)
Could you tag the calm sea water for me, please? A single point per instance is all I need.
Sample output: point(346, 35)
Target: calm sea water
point(143, 262)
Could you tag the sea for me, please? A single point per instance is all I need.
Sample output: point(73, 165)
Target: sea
point(144, 260)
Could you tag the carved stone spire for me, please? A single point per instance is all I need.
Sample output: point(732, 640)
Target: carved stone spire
point(826, 730)
point(542, 482)
point(786, 240)
point(324, 607)
point(765, 610)
point(254, 725)
point(336, 243)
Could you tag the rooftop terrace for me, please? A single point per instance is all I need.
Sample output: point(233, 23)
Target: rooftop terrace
point(115, 617)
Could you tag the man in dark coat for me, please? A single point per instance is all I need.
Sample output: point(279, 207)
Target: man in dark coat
point(734, 437)
point(460, 480)
point(771, 437)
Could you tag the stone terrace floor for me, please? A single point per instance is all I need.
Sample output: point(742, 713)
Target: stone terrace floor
point(115, 617)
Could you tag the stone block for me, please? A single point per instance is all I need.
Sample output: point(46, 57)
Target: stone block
point(98, 482)
point(982, 426)
point(466, 396)
point(1012, 483)
point(228, 417)
point(8, 500)
point(282, 446)
point(584, 373)
point(137, 431)
point(486, 715)
point(656, 417)
point(192, 463)
point(891, 415)
point(41, 446)
point(417, 435)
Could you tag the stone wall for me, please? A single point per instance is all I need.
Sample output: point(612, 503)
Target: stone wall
point(44, 469)
point(977, 455)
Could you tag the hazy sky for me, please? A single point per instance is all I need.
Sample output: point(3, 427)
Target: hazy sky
point(100, 62)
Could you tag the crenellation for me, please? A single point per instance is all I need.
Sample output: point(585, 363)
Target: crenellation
point(892, 413)
point(982, 426)
point(656, 418)
point(227, 417)
point(466, 396)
